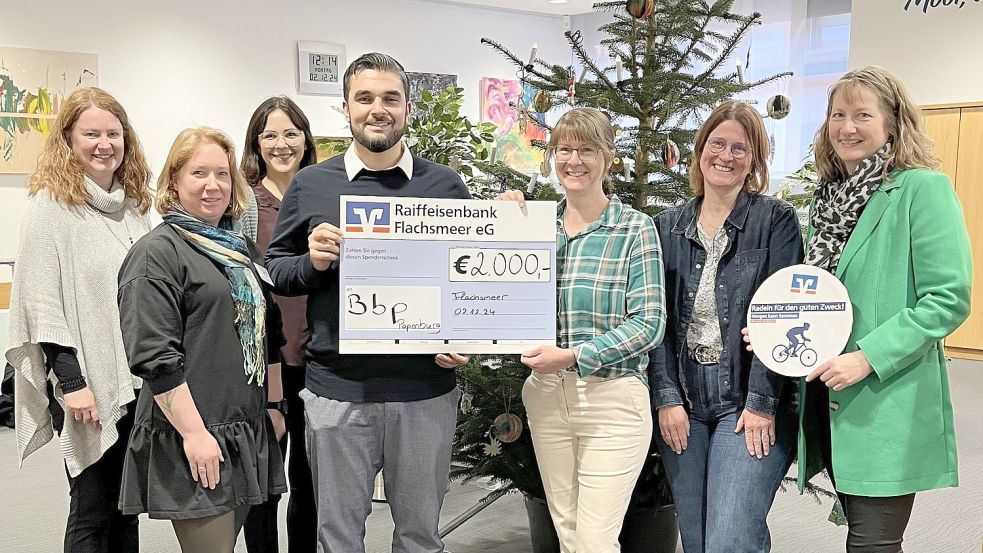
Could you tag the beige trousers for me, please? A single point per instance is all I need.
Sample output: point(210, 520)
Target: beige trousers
point(591, 439)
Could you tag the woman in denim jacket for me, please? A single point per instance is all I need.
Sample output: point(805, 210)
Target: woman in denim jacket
point(726, 423)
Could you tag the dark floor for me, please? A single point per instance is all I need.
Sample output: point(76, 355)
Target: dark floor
point(33, 504)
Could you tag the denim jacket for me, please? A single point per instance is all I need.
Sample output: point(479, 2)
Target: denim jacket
point(763, 237)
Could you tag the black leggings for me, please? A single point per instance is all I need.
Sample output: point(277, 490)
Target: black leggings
point(877, 524)
point(95, 523)
point(261, 531)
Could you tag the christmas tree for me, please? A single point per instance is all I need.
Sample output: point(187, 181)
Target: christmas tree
point(667, 74)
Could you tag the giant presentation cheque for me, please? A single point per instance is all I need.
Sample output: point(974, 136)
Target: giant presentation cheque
point(422, 275)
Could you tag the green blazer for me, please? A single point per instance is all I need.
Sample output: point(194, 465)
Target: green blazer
point(908, 270)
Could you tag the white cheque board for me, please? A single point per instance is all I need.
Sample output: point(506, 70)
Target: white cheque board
point(424, 275)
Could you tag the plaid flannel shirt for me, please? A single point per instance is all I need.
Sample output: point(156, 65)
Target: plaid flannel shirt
point(610, 293)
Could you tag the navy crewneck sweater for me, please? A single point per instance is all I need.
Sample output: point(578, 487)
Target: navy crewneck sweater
point(312, 199)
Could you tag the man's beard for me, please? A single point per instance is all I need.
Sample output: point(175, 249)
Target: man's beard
point(378, 144)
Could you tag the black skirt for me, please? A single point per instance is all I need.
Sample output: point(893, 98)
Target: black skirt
point(157, 478)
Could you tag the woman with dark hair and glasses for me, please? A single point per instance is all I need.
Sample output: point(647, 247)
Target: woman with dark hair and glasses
point(726, 423)
point(278, 144)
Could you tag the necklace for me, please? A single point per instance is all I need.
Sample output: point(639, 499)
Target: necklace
point(126, 226)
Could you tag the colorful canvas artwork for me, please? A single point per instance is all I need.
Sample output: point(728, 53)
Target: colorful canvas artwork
point(330, 146)
point(434, 82)
point(33, 85)
point(513, 144)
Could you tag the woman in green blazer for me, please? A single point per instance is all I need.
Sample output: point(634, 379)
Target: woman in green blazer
point(890, 227)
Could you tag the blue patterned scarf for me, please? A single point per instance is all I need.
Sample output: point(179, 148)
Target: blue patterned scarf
point(228, 248)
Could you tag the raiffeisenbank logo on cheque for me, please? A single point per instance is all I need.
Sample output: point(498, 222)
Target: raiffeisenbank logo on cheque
point(420, 218)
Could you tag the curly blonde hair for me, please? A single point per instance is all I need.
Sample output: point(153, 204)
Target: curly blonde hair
point(185, 145)
point(911, 145)
point(59, 171)
point(752, 123)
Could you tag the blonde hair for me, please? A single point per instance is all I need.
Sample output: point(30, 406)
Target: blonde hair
point(754, 126)
point(184, 148)
point(911, 145)
point(59, 171)
point(590, 126)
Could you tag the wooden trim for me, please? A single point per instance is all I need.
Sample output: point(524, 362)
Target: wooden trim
point(976, 104)
point(964, 353)
point(4, 295)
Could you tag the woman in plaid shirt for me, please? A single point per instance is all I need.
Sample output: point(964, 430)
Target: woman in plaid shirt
point(587, 398)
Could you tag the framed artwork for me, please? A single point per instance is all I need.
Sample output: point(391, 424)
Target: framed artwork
point(513, 139)
point(330, 146)
point(320, 68)
point(33, 86)
point(434, 82)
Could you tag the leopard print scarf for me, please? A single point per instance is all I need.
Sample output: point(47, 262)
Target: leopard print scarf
point(837, 207)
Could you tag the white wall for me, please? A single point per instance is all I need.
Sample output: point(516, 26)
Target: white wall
point(210, 62)
point(935, 52)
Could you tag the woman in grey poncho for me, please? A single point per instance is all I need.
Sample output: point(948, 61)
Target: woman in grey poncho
point(88, 205)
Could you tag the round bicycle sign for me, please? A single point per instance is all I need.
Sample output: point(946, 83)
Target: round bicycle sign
point(799, 318)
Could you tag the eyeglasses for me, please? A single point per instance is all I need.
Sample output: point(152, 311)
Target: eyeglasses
point(586, 154)
point(291, 137)
point(738, 150)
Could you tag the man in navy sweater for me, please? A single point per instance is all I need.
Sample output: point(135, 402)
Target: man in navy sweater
point(367, 412)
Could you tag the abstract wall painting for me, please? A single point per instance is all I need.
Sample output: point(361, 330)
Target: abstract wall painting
point(33, 86)
point(434, 82)
point(513, 143)
point(330, 146)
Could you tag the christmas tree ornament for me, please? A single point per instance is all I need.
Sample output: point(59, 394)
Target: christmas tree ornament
point(640, 9)
point(571, 87)
point(617, 131)
point(493, 448)
point(779, 106)
point(532, 56)
point(523, 119)
point(466, 402)
point(618, 165)
point(507, 428)
point(531, 187)
point(771, 150)
point(541, 102)
point(670, 153)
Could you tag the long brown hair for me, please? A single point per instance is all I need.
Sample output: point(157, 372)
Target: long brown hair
point(911, 145)
point(61, 174)
point(754, 126)
point(253, 167)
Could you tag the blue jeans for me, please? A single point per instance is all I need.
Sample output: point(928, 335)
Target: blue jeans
point(722, 493)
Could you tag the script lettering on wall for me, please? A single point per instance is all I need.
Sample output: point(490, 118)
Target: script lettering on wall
point(925, 5)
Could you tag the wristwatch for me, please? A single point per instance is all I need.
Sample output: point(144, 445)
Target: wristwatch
point(280, 406)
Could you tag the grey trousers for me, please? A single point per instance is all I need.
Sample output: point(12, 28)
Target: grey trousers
point(348, 443)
